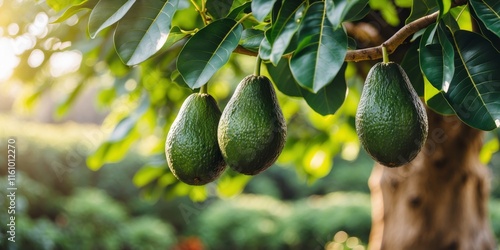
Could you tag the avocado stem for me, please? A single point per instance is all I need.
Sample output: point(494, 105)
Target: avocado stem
point(385, 55)
point(257, 66)
point(204, 88)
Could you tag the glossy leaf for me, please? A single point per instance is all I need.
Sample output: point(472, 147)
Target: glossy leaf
point(265, 49)
point(219, 8)
point(436, 101)
point(77, 7)
point(444, 6)
point(328, 99)
point(251, 39)
point(448, 56)
point(411, 65)
point(144, 30)
point(284, 28)
point(488, 34)
point(422, 8)
point(339, 11)
point(244, 8)
point(474, 92)
point(208, 50)
point(106, 13)
point(261, 8)
point(321, 50)
point(437, 57)
point(283, 78)
point(174, 36)
point(489, 13)
point(59, 5)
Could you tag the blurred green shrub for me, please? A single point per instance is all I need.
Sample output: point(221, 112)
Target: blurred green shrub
point(260, 222)
point(147, 233)
point(91, 220)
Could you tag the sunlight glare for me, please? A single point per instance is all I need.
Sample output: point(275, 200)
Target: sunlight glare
point(62, 63)
point(9, 59)
point(36, 58)
point(13, 29)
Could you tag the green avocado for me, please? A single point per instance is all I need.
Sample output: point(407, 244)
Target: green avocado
point(192, 152)
point(391, 121)
point(252, 129)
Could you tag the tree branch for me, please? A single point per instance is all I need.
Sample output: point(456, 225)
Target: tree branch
point(373, 53)
point(393, 42)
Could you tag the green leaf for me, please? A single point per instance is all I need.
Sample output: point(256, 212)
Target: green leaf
point(106, 13)
point(474, 92)
point(422, 8)
point(59, 5)
point(123, 128)
point(144, 30)
point(121, 139)
point(489, 13)
point(174, 36)
point(411, 65)
point(283, 78)
point(147, 174)
point(77, 7)
point(261, 8)
point(265, 49)
point(63, 108)
point(387, 9)
point(244, 8)
point(329, 98)
point(251, 39)
point(284, 28)
point(444, 7)
point(321, 50)
point(448, 56)
point(208, 50)
point(219, 8)
point(489, 148)
point(437, 57)
point(488, 34)
point(436, 101)
point(111, 152)
point(357, 13)
point(339, 11)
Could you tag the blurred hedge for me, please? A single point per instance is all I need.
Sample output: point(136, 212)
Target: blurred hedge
point(261, 222)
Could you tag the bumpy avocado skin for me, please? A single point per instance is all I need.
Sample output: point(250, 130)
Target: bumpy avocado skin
point(391, 121)
point(191, 148)
point(252, 129)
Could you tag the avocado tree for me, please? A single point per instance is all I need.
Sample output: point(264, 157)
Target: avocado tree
point(316, 51)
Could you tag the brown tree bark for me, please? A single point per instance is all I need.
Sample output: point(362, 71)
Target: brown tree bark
point(439, 200)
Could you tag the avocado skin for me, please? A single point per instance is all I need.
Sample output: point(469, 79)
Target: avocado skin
point(252, 129)
point(191, 148)
point(391, 121)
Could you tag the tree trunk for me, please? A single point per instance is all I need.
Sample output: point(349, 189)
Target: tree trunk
point(439, 200)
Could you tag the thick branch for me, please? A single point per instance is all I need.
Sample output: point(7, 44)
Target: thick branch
point(393, 42)
point(373, 53)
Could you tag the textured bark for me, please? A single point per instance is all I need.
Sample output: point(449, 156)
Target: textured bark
point(438, 201)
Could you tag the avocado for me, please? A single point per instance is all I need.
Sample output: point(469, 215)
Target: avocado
point(391, 121)
point(252, 129)
point(191, 148)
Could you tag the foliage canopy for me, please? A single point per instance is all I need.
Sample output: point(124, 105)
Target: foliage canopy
point(311, 49)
